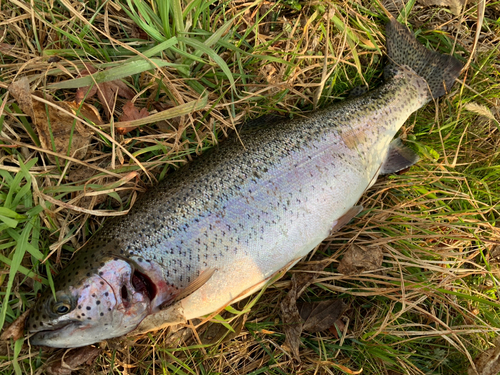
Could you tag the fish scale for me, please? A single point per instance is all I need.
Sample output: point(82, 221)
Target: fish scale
point(220, 227)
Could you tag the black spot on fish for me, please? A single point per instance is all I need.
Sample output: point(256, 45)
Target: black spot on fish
point(79, 306)
point(97, 302)
point(89, 318)
point(106, 294)
point(102, 314)
point(88, 307)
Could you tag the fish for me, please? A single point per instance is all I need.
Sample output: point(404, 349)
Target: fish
point(241, 214)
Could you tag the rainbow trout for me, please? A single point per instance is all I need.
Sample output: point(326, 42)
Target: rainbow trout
point(218, 229)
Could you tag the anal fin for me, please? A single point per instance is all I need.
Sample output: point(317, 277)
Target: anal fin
point(398, 157)
point(345, 218)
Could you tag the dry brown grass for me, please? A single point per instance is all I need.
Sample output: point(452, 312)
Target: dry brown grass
point(434, 301)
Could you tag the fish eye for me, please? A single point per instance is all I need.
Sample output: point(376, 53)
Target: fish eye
point(61, 308)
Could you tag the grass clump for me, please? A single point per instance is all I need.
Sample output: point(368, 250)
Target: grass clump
point(432, 307)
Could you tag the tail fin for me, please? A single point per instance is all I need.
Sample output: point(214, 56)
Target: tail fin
point(440, 71)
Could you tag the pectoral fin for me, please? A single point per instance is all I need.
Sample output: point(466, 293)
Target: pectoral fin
point(196, 284)
point(398, 157)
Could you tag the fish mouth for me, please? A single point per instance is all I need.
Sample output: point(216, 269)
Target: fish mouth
point(40, 337)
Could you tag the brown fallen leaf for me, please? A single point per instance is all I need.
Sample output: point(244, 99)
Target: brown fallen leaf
point(359, 259)
point(494, 254)
point(57, 130)
point(16, 330)
point(73, 359)
point(337, 327)
point(320, 316)
point(6, 48)
point(488, 362)
point(454, 5)
point(106, 91)
point(130, 113)
point(85, 111)
point(292, 321)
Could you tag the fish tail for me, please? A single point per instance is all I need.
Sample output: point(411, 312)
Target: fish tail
point(440, 71)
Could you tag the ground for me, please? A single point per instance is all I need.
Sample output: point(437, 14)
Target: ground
point(429, 302)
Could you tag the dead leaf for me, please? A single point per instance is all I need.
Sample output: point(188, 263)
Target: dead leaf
point(85, 111)
point(138, 33)
point(130, 113)
point(53, 59)
point(494, 254)
point(57, 130)
point(347, 370)
point(106, 91)
point(337, 327)
point(320, 316)
point(488, 362)
point(16, 330)
point(6, 48)
point(80, 173)
point(359, 259)
point(292, 321)
point(21, 91)
point(72, 359)
point(454, 5)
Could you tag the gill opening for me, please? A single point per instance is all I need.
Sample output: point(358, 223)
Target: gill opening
point(143, 284)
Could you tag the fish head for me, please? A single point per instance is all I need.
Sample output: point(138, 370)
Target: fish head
point(93, 301)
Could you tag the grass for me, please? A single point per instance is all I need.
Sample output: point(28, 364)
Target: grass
point(431, 309)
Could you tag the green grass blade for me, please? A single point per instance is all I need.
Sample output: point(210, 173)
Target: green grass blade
point(180, 110)
point(24, 271)
point(19, 251)
point(125, 70)
point(212, 54)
